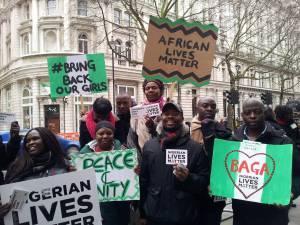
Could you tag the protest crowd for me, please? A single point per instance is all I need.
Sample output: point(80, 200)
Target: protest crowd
point(170, 194)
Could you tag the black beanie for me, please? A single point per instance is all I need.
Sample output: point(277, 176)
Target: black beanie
point(104, 124)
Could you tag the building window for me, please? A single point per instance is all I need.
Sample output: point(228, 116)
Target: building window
point(27, 107)
point(87, 102)
point(123, 89)
point(127, 19)
point(128, 50)
point(8, 99)
point(83, 43)
point(51, 41)
point(51, 7)
point(118, 51)
point(82, 8)
point(25, 45)
point(117, 16)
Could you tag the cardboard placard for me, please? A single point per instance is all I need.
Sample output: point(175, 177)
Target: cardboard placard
point(7, 117)
point(176, 156)
point(179, 51)
point(252, 171)
point(70, 198)
point(116, 179)
point(144, 110)
point(77, 75)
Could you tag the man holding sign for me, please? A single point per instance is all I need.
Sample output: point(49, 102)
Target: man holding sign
point(174, 171)
point(255, 129)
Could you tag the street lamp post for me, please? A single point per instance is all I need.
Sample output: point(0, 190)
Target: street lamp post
point(113, 71)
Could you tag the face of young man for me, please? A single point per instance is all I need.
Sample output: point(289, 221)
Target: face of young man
point(207, 108)
point(171, 119)
point(123, 104)
point(253, 115)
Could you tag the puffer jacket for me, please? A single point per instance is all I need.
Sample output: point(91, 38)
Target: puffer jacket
point(251, 213)
point(164, 199)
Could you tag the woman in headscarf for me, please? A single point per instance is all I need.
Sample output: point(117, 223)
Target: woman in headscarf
point(113, 213)
point(142, 130)
point(102, 110)
point(42, 156)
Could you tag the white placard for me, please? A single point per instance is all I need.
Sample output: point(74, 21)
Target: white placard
point(7, 117)
point(141, 111)
point(176, 156)
point(70, 198)
point(116, 179)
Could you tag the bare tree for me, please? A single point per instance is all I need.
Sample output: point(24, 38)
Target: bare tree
point(139, 11)
point(251, 33)
point(287, 68)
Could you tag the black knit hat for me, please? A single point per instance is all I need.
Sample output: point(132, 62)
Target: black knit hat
point(158, 82)
point(104, 124)
point(102, 106)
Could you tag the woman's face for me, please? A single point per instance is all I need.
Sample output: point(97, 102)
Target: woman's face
point(34, 143)
point(105, 138)
point(152, 91)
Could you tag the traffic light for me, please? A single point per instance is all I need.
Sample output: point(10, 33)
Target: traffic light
point(232, 96)
point(266, 98)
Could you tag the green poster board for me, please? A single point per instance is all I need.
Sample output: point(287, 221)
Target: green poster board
point(252, 171)
point(77, 75)
point(116, 179)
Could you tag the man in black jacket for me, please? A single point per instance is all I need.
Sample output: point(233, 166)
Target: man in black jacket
point(256, 129)
point(9, 151)
point(204, 130)
point(169, 193)
point(123, 104)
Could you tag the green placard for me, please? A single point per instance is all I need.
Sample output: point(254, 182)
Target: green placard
point(116, 179)
point(77, 75)
point(252, 171)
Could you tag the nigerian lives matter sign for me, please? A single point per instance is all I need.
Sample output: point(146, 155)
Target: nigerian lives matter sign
point(69, 198)
point(179, 51)
point(116, 179)
point(252, 171)
point(77, 75)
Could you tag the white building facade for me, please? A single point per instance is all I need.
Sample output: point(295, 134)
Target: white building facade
point(32, 30)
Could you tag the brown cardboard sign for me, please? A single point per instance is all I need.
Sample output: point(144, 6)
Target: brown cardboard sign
point(179, 51)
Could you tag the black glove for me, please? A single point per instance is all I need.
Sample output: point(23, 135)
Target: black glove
point(208, 127)
point(14, 129)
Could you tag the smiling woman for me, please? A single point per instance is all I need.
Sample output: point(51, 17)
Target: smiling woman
point(42, 157)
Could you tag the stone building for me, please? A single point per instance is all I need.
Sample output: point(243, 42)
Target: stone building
point(32, 30)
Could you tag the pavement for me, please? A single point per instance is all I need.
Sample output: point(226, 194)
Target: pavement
point(294, 214)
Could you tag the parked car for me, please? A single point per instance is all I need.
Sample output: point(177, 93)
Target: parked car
point(68, 146)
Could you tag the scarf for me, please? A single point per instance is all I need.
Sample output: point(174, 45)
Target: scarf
point(37, 165)
point(160, 101)
point(196, 132)
point(91, 124)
